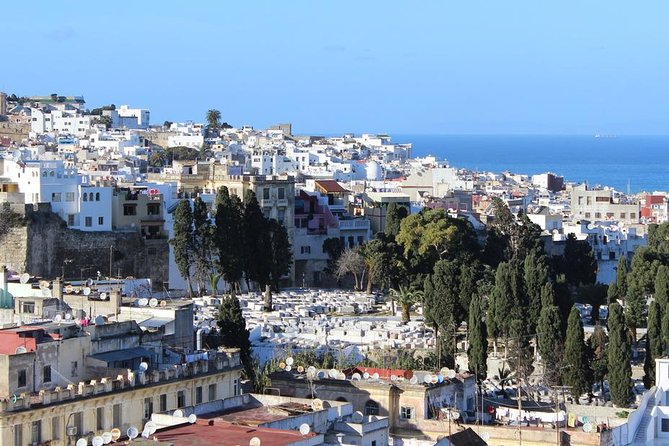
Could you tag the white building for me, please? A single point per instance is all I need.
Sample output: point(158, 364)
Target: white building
point(129, 118)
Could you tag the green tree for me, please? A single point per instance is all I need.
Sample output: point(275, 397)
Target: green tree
point(477, 352)
point(576, 356)
point(665, 329)
point(232, 327)
point(578, 262)
point(661, 286)
point(535, 275)
point(598, 345)
point(394, 216)
point(551, 342)
point(333, 248)
point(658, 237)
point(595, 296)
point(522, 357)
point(280, 253)
point(202, 244)
point(621, 278)
point(256, 240)
point(229, 237)
point(508, 302)
point(654, 344)
point(182, 243)
point(470, 274)
point(406, 298)
point(213, 119)
point(619, 358)
point(635, 307)
point(373, 253)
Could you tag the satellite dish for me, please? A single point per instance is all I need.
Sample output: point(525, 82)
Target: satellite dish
point(68, 316)
point(300, 369)
point(321, 374)
point(288, 368)
point(413, 380)
point(434, 379)
point(143, 302)
point(82, 442)
point(375, 376)
point(289, 360)
point(587, 427)
point(192, 418)
point(99, 320)
point(103, 296)
point(451, 374)
point(132, 432)
point(333, 373)
point(24, 278)
point(20, 350)
point(57, 318)
point(440, 378)
point(106, 437)
point(44, 284)
point(153, 302)
point(87, 291)
point(115, 433)
point(89, 282)
point(97, 441)
point(317, 404)
point(150, 427)
point(77, 290)
point(393, 378)
point(356, 377)
point(282, 365)
point(178, 413)
point(427, 379)
point(305, 429)
point(255, 441)
point(69, 289)
point(143, 366)
point(455, 414)
point(357, 417)
point(444, 371)
point(365, 375)
point(145, 433)
point(311, 370)
point(163, 303)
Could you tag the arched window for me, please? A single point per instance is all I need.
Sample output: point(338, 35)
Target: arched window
point(85, 196)
point(52, 173)
point(45, 173)
point(97, 196)
point(371, 408)
point(90, 196)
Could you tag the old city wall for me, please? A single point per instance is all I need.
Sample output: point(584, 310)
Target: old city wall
point(15, 131)
point(45, 243)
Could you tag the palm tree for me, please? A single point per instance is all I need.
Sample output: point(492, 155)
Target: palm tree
point(505, 377)
point(406, 297)
point(213, 119)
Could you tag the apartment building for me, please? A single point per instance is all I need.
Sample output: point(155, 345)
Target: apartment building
point(602, 204)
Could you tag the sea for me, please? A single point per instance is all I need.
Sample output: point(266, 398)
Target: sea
point(625, 163)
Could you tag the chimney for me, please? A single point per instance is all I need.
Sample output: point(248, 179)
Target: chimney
point(57, 289)
point(115, 299)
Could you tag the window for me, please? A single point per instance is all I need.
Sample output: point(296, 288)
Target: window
point(181, 398)
point(351, 241)
point(74, 365)
point(18, 434)
point(117, 418)
point(55, 197)
point(97, 196)
point(622, 215)
point(361, 240)
point(89, 222)
point(28, 307)
point(129, 209)
point(37, 431)
point(148, 408)
point(665, 424)
point(101, 221)
point(84, 196)
point(235, 387)
point(90, 196)
point(212, 392)
point(46, 374)
point(305, 249)
point(371, 408)
point(23, 378)
point(100, 418)
point(78, 422)
point(55, 428)
point(69, 196)
point(163, 402)
point(265, 193)
point(587, 215)
point(70, 219)
point(598, 215)
point(198, 395)
point(633, 215)
point(282, 193)
point(406, 413)
point(153, 209)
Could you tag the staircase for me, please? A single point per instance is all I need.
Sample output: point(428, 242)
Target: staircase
point(640, 436)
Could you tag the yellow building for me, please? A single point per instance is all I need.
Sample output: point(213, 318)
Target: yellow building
point(62, 415)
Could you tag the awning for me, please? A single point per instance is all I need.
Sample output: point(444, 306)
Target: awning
point(123, 355)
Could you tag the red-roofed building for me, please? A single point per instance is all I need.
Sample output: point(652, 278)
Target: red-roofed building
point(654, 209)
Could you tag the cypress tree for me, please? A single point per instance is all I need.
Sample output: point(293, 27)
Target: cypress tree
point(229, 237)
point(661, 293)
point(621, 278)
point(477, 353)
point(578, 374)
point(256, 240)
point(469, 274)
point(635, 305)
point(548, 295)
point(665, 329)
point(654, 346)
point(598, 346)
point(394, 216)
point(550, 341)
point(535, 275)
point(183, 240)
point(202, 243)
point(619, 358)
point(232, 327)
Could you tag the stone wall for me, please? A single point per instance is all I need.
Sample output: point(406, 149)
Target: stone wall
point(15, 131)
point(42, 247)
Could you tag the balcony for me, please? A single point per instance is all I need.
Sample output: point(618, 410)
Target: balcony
point(350, 225)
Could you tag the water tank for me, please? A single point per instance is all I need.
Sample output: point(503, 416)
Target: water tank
point(374, 171)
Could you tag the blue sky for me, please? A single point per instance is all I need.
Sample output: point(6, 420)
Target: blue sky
point(559, 67)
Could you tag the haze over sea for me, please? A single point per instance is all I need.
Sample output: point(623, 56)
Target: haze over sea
point(613, 161)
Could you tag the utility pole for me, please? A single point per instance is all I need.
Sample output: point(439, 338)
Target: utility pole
point(111, 252)
point(520, 411)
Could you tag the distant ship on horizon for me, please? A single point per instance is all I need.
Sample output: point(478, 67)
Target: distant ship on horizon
point(598, 135)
